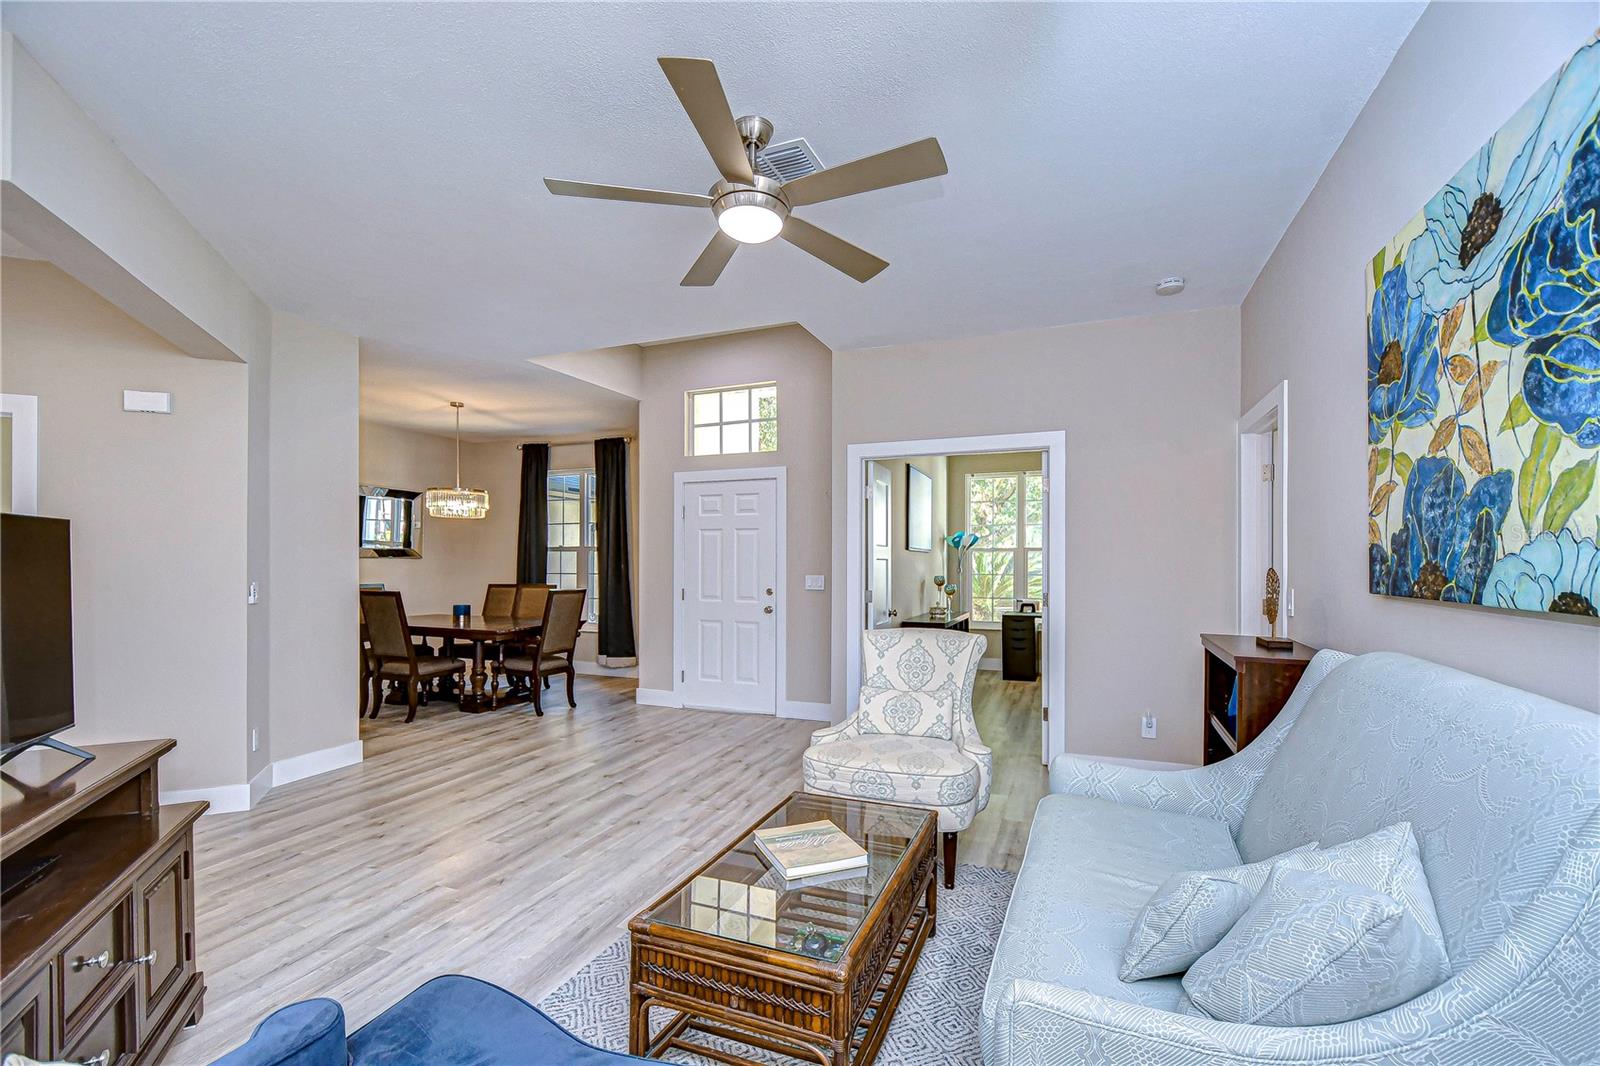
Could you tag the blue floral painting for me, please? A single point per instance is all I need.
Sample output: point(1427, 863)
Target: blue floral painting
point(1483, 371)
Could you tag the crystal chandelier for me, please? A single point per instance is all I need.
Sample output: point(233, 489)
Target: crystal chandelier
point(457, 502)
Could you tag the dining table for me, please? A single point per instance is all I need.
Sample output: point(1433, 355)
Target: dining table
point(480, 631)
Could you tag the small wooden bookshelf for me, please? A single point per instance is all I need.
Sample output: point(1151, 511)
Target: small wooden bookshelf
point(1254, 682)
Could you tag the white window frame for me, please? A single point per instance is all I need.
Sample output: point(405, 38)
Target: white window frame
point(23, 410)
point(1021, 572)
point(586, 552)
point(751, 420)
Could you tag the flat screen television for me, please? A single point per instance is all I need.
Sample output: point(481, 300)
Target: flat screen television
point(35, 631)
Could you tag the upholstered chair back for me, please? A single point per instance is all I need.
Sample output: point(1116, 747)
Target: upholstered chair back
point(1497, 783)
point(498, 601)
point(563, 617)
point(385, 619)
point(918, 682)
point(530, 601)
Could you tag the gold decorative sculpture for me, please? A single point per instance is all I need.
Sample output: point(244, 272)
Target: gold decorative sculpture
point(1269, 607)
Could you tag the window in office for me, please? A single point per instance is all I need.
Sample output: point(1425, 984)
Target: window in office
point(1007, 513)
point(571, 560)
point(733, 421)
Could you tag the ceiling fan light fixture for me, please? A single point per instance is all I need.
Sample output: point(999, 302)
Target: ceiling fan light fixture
point(750, 214)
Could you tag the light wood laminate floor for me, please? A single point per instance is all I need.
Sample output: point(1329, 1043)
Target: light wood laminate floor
point(508, 847)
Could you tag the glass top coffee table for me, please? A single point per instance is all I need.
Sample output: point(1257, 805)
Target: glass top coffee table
point(811, 969)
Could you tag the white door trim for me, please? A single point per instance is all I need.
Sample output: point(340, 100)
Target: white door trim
point(24, 412)
point(1054, 444)
point(1269, 413)
point(780, 602)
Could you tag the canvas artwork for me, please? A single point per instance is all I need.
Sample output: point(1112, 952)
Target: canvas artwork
point(1483, 370)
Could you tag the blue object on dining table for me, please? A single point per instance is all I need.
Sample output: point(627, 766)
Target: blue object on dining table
point(462, 611)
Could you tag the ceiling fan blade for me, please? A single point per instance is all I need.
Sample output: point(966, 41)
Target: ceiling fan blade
point(700, 92)
point(837, 253)
point(910, 162)
point(623, 192)
point(708, 268)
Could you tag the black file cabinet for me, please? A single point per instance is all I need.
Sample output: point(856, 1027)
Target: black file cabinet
point(1019, 646)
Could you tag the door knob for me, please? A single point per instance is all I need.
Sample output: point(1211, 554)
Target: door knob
point(767, 608)
point(769, 592)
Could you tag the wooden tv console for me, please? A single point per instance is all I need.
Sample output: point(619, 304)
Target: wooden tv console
point(97, 958)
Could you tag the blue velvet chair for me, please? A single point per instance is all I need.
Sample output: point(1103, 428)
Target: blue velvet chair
point(449, 1021)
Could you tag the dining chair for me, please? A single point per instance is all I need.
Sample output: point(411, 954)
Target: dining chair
point(396, 656)
point(369, 667)
point(499, 600)
point(551, 651)
point(530, 601)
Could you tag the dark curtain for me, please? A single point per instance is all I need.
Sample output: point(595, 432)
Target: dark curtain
point(533, 520)
point(611, 541)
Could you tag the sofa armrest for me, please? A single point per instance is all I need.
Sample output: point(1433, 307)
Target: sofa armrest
point(1216, 792)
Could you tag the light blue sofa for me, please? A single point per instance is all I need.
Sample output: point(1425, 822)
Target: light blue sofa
point(1502, 789)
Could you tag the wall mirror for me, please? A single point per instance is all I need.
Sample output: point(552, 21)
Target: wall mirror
point(391, 523)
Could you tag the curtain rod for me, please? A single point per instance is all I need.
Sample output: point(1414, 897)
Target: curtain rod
point(628, 440)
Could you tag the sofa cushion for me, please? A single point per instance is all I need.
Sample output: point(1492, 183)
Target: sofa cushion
point(1190, 914)
point(1090, 866)
point(462, 1021)
point(309, 1033)
point(915, 770)
point(1493, 780)
point(1314, 949)
point(915, 714)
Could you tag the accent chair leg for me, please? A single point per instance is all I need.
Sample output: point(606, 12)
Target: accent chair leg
point(413, 688)
point(571, 673)
point(533, 684)
point(377, 695)
point(949, 860)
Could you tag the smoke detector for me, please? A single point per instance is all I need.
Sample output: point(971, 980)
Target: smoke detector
point(1169, 286)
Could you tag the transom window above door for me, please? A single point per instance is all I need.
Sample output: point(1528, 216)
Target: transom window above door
point(733, 421)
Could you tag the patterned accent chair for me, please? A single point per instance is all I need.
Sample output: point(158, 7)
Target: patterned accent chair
point(912, 741)
point(1502, 789)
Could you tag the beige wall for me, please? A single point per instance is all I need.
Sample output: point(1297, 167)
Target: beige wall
point(1305, 321)
point(157, 505)
point(312, 594)
point(460, 557)
point(800, 364)
point(1149, 406)
point(912, 573)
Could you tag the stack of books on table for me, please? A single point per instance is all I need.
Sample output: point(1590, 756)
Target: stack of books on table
point(810, 851)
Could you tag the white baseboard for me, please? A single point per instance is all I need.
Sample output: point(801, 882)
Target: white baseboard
point(312, 763)
point(260, 784)
point(224, 799)
point(657, 697)
point(590, 667)
point(806, 712)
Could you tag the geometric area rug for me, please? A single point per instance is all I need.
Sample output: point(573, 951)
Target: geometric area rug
point(936, 1023)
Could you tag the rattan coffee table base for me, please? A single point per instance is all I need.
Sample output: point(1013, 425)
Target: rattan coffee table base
point(740, 1006)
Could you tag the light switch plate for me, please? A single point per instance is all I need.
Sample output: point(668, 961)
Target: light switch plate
point(814, 583)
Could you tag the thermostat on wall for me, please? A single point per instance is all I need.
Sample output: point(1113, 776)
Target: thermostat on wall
point(155, 403)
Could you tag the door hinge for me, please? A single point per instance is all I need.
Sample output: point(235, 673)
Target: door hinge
point(1046, 711)
point(683, 512)
point(683, 594)
point(1266, 472)
point(680, 675)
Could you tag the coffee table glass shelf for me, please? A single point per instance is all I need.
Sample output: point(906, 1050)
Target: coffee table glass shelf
point(812, 969)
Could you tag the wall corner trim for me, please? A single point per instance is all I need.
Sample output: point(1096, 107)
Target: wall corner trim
point(224, 799)
point(656, 697)
point(260, 785)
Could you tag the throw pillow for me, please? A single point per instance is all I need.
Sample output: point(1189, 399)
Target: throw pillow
point(906, 714)
point(1190, 914)
point(1316, 950)
point(1387, 861)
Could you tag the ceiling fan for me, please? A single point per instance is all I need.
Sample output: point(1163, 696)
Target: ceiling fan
point(751, 208)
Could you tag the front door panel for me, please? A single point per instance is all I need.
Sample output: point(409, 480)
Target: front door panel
point(729, 595)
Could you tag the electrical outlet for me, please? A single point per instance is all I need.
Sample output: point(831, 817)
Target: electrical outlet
point(1147, 727)
point(253, 744)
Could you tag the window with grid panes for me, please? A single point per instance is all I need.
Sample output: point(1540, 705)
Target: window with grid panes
point(1007, 513)
point(734, 421)
point(571, 560)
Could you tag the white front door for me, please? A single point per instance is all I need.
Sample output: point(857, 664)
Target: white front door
point(880, 575)
point(729, 595)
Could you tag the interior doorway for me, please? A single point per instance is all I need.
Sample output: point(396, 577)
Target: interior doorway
point(1264, 510)
point(1001, 577)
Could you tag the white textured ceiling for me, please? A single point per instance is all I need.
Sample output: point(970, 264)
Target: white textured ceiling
point(377, 167)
